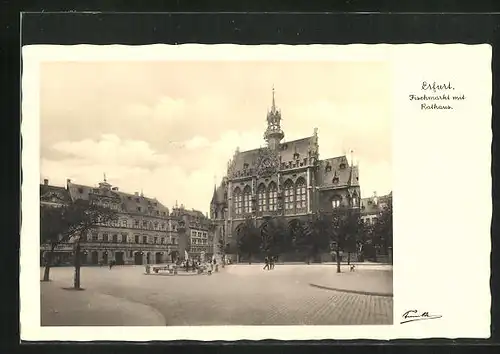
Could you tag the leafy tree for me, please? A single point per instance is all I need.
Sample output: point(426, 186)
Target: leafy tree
point(354, 239)
point(383, 228)
point(274, 237)
point(345, 225)
point(69, 224)
point(248, 239)
point(314, 235)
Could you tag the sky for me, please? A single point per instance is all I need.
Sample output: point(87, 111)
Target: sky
point(168, 128)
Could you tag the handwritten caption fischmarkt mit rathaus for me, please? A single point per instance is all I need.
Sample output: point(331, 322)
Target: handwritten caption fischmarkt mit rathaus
point(436, 96)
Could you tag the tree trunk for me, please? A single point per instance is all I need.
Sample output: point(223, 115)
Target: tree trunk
point(48, 264)
point(338, 259)
point(76, 282)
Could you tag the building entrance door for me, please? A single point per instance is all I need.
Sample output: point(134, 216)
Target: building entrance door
point(148, 258)
point(105, 258)
point(119, 258)
point(158, 258)
point(95, 257)
point(138, 258)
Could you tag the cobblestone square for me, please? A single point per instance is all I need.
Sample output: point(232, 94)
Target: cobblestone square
point(237, 295)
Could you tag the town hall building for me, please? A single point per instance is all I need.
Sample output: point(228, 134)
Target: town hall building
point(286, 179)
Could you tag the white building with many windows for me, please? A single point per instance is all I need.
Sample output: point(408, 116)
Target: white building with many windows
point(142, 234)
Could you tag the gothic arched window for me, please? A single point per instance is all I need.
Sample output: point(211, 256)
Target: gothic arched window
point(354, 200)
point(288, 193)
point(272, 193)
point(261, 198)
point(247, 203)
point(237, 201)
point(300, 194)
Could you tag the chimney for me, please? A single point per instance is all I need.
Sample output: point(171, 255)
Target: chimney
point(45, 182)
point(68, 181)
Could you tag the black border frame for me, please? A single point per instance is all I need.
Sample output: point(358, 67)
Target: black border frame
point(246, 28)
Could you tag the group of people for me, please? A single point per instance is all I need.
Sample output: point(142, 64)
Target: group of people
point(270, 262)
point(197, 264)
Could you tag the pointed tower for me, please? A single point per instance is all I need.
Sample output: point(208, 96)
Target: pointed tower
point(273, 134)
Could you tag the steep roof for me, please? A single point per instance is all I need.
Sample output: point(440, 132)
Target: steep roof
point(299, 146)
point(243, 159)
point(338, 168)
point(129, 202)
point(54, 194)
point(218, 196)
point(245, 162)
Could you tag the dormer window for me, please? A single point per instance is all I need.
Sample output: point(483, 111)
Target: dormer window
point(328, 168)
point(342, 165)
point(296, 156)
point(335, 180)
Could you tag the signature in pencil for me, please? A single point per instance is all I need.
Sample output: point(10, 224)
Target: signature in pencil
point(414, 315)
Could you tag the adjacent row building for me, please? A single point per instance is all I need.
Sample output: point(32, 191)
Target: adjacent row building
point(144, 232)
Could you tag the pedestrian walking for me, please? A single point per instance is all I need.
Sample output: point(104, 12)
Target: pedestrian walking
point(267, 263)
point(272, 262)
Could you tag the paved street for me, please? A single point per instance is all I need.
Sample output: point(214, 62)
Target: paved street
point(238, 295)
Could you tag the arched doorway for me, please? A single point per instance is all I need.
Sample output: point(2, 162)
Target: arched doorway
point(119, 258)
point(138, 258)
point(94, 257)
point(159, 257)
point(148, 258)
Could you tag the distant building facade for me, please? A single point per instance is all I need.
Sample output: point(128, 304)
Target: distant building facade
point(371, 207)
point(285, 179)
point(197, 236)
point(143, 233)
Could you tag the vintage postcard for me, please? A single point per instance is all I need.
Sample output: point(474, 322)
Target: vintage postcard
point(225, 192)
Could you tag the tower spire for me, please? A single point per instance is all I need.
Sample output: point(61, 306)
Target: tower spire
point(105, 177)
point(274, 102)
point(273, 134)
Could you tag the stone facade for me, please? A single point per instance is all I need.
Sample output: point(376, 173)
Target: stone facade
point(143, 232)
point(285, 179)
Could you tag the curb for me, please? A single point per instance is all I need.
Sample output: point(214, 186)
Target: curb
point(352, 291)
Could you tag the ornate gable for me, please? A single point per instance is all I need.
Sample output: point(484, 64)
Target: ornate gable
point(268, 162)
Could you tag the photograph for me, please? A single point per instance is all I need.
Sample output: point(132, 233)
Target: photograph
point(268, 192)
point(215, 193)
